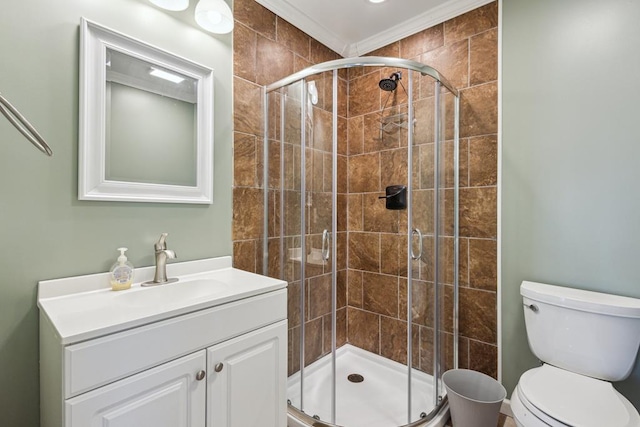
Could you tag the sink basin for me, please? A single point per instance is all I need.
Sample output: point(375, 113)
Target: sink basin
point(172, 293)
point(84, 307)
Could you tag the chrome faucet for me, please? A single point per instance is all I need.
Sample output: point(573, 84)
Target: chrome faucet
point(162, 254)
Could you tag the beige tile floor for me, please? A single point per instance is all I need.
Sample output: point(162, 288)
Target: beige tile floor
point(503, 421)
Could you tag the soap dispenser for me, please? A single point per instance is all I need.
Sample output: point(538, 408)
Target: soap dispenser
point(121, 273)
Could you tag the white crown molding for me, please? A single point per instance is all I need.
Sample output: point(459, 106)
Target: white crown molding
point(347, 48)
point(427, 19)
point(288, 12)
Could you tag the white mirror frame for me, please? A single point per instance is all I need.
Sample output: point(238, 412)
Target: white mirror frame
point(92, 185)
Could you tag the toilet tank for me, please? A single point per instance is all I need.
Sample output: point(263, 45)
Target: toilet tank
point(589, 333)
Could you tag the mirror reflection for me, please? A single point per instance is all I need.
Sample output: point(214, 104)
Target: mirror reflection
point(151, 122)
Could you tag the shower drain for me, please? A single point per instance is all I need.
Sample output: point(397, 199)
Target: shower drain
point(355, 378)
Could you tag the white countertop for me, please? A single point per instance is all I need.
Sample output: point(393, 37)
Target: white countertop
point(85, 307)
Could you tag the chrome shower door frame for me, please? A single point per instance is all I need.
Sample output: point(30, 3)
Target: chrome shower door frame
point(334, 66)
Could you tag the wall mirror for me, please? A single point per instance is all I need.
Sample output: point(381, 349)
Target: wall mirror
point(146, 122)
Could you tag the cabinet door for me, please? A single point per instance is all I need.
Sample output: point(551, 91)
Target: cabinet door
point(169, 395)
point(247, 378)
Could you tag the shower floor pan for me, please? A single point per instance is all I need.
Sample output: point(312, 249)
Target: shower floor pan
point(380, 400)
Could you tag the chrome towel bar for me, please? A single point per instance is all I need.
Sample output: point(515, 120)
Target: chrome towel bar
point(23, 126)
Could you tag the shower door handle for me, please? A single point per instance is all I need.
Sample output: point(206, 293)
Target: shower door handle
point(326, 237)
point(413, 254)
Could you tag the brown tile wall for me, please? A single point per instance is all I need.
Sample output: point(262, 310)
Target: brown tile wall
point(266, 49)
point(464, 50)
point(372, 287)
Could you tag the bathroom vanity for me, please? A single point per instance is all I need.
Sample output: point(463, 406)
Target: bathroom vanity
point(208, 350)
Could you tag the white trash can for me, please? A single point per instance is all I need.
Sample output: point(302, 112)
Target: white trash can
point(474, 398)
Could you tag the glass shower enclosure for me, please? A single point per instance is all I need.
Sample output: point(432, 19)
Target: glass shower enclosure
point(361, 219)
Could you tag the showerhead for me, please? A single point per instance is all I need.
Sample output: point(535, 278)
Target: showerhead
point(388, 85)
point(391, 83)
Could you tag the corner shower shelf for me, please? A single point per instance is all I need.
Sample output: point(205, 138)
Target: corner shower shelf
point(389, 123)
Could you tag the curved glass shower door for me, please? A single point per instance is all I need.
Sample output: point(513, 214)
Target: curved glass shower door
point(301, 147)
point(372, 290)
point(433, 247)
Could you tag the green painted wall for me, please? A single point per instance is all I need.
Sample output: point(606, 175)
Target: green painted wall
point(45, 232)
point(138, 123)
point(570, 209)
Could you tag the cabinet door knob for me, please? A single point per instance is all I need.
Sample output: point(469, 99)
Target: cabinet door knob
point(218, 367)
point(200, 375)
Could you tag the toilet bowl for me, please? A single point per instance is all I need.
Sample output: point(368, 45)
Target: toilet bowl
point(549, 396)
point(586, 340)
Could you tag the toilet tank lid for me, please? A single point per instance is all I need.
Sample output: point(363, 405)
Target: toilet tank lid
point(578, 299)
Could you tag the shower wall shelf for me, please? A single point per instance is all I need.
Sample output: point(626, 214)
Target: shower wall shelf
point(314, 257)
point(389, 123)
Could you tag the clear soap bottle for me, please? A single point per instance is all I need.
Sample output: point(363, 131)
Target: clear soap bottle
point(121, 273)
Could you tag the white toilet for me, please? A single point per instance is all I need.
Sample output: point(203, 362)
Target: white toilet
point(585, 340)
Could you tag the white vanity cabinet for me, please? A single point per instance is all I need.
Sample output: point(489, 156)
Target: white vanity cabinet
point(217, 359)
point(169, 395)
point(246, 385)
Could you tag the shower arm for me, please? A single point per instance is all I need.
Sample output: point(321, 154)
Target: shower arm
point(23, 126)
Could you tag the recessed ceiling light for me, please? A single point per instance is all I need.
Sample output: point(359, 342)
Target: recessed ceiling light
point(376, 1)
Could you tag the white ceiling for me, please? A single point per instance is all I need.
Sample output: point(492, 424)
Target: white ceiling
point(356, 27)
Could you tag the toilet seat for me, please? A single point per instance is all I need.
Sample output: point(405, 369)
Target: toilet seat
point(562, 398)
point(530, 418)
